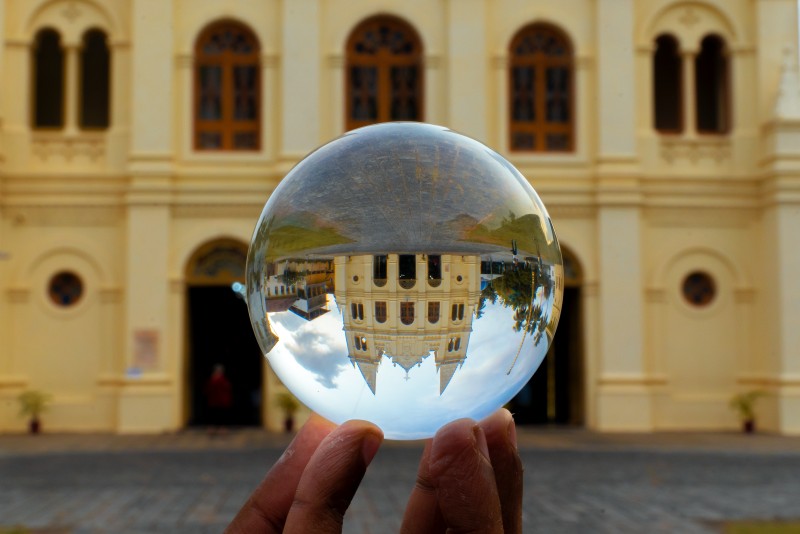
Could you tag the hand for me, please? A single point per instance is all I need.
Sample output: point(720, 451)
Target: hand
point(470, 478)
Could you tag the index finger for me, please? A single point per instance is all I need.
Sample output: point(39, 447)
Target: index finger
point(267, 508)
point(462, 474)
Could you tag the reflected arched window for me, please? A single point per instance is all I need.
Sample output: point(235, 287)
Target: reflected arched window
point(227, 81)
point(380, 312)
point(541, 103)
point(711, 86)
point(94, 73)
point(667, 86)
point(383, 73)
point(433, 312)
point(407, 312)
point(48, 72)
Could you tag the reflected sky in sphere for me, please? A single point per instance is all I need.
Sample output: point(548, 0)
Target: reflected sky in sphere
point(406, 275)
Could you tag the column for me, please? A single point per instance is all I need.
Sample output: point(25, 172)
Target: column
point(622, 395)
point(301, 80)
point(71, 86)
point(689, 105)
point(783, 220)
point(146, 401)
point(616, 83)
point(467, 68)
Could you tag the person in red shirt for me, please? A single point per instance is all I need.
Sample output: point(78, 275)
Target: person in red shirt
point(219, 399)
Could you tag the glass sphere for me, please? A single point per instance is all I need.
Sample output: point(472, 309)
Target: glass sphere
point(406, 275)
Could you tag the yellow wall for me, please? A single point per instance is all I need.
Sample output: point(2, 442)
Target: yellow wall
point(126, 208)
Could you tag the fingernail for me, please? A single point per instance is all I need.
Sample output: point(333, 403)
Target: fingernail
point(370, 446)
point(512, 433)
point(480, 441)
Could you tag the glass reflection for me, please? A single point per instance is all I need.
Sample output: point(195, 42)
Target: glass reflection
point(408, 278)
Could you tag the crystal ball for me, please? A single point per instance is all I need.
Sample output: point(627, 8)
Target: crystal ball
point(407, 275)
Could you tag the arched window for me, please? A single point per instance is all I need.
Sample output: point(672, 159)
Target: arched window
point(94, 73)
point(541, 103)
point(227, 81)
point(667, 86)
point(383, 73)
point(48, 71)
point(711, 86)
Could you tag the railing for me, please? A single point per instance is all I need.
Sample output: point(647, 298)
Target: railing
point(434, 282)
point(379, 282)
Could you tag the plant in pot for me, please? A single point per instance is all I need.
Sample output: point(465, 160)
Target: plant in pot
point(745, 404)
point(289, 405)
point(31, 405)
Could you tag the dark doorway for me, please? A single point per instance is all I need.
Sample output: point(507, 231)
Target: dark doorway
point(554, 395)
point(220, 333)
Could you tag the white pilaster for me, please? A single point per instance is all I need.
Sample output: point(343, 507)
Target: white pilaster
point(616, 84)
point(301, 80)
point(467, 87)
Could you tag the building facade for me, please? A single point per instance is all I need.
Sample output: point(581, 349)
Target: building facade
point(139, 140)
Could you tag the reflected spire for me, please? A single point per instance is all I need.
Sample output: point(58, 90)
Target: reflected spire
point(446, 372)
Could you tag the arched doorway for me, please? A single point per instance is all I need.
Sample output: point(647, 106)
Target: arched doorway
point(555, 393)
point(219, 333)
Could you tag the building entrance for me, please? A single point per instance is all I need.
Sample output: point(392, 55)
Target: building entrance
point(554, 395)
point(219, 333)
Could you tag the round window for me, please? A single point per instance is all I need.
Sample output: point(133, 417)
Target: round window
point(66, 288)
point(699, 288)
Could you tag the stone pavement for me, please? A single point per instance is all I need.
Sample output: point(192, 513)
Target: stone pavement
point(575, 481)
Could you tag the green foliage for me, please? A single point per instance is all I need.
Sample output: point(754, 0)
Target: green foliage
point(32, 403)
point(744, 404)
point(286, 240)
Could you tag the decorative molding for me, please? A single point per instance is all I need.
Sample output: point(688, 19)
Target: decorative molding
point(590, 289)
point(270, 60)
point(335, 61)
point(109, 294)
point(71, 12)
point(689, 18)
point(47, 147)
point(679, 149)
point(500, 62)
point(561, 211)
point(19, 295)
point(787, 380)
point(177, 285)
point(744, 295)
point(655, 295)
point(432, 61)
point(184, 61)
point(611, 379)
point(13, 382)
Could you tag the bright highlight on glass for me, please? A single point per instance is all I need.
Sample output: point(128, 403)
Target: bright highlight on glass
point(407, 275)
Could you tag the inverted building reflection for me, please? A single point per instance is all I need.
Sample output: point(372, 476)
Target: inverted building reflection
point(404, 309)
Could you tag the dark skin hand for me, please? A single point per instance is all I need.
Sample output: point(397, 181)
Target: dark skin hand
point(469, 480)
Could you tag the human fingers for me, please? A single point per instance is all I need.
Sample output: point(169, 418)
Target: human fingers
point(422, 515)
point(461, 472)
point(331, 478)
point(266, 509)
point(501, 439)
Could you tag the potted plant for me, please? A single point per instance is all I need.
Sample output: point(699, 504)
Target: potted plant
point(31, 405)
point(744, 405)
point(289, 405)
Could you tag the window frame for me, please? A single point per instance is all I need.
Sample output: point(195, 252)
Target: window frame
point(227, 126)
point(539, 126)
point(383, 61)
